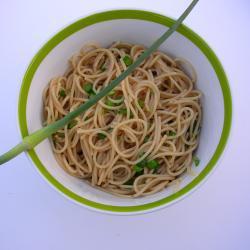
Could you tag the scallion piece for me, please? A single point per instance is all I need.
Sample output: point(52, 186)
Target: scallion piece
point(171, 133)
point(72, 124)
point(88, 87)
point(122, 111)
point(92, 94)
point(62, 93)
point(127, 60)
point(153, 164)
point(141, 103)
point(196, 161)
point(101, 136)
point(137, 168)
point(109, 103)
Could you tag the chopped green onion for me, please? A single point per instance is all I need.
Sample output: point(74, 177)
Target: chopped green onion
point(72, 124)
point(88, 88)
point(153, 164)
point(146, 139)
point(196, 161)
point(109, 103)
point(141, 103)
point(137, 168)
point(127, 60)
point(62, 93)
point(122, 111)
point(171, 133)
point(92, 94)
point(101, 136)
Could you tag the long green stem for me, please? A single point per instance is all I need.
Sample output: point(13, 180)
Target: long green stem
point(35, 138)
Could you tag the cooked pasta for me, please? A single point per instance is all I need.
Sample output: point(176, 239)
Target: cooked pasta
point(142, 136)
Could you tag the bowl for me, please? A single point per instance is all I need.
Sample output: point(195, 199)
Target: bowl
point(134, 26)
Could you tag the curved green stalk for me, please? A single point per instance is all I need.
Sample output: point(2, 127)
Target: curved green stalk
point(35, 138)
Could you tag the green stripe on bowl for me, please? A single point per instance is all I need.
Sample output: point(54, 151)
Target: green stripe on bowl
point(126, 14)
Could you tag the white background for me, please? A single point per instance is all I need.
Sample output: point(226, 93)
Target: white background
point(34, 216)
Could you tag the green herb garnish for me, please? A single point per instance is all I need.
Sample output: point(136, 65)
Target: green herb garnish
point(141, 103)
point(62, 93)
point(72, 124)
point(137, 168)
point(127, 60)
point(196, 161)
point(101, 136)
point(92, 94)
point(88, 87)
point(171, 133)
point(122, 111)
point(153, 164)
point(146, 139)
point(109, 103)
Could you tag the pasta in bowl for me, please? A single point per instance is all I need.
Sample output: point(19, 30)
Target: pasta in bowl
point(141, 137)
point(136, 150)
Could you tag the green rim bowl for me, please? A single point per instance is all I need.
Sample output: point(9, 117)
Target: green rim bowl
point(133, 26)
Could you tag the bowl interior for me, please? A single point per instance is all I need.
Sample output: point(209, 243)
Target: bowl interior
point(133, 31)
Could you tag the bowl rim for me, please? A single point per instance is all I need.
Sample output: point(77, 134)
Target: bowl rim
point(138, 15)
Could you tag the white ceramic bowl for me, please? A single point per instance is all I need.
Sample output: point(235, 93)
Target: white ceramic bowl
point(136, 27)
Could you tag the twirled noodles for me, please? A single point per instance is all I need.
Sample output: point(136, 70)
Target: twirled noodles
point(141, 137)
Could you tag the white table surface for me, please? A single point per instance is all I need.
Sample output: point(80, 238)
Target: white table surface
point(34, 216)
